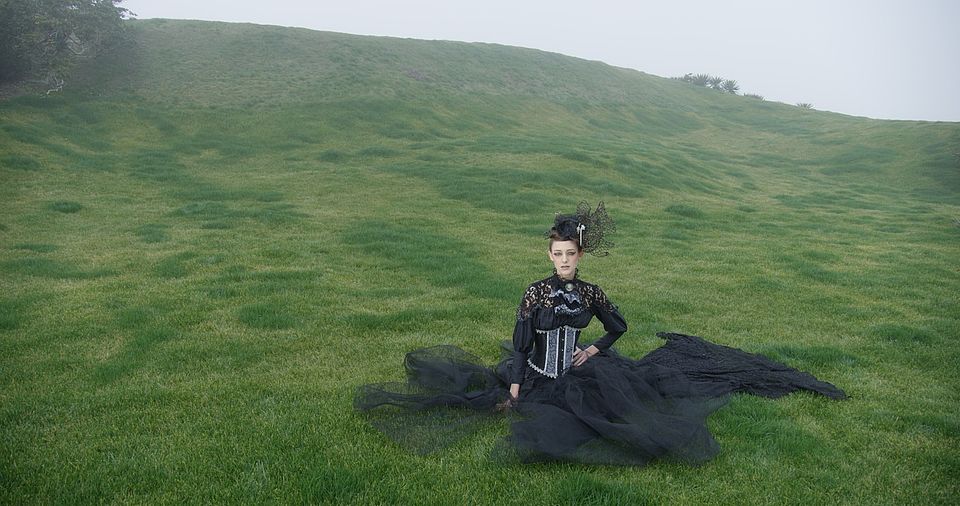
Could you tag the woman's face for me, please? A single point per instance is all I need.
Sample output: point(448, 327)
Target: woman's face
point(565, 256)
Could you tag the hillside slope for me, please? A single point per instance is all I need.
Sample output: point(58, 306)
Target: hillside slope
point(477, 94)
point(216, 234)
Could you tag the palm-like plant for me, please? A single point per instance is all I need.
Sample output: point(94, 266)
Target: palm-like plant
point(804, 105)
point(731, 86)
point(712, 82)
point(701, 79)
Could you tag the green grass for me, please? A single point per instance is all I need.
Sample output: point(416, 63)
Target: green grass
point(65, 206)
point(216, 235)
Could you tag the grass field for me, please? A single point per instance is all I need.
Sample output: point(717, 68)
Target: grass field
point(216, 235)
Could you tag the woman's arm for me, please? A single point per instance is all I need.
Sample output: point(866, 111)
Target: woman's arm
point(613, 324)
point(522, 338)
point(609, 315)
point(522, 346)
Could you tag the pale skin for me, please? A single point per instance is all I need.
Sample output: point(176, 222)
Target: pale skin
point(565, 256)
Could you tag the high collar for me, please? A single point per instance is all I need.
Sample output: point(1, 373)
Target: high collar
point(557, 281)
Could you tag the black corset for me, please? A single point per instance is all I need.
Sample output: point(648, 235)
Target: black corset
point(553, 351)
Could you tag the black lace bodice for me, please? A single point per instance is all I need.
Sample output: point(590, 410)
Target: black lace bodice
point(549, 318)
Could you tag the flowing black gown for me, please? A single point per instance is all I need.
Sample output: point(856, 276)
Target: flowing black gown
point(610, 410)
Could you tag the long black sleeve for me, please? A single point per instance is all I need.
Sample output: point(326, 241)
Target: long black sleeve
point(522, 346)
point(609, 315)
point(523, 332)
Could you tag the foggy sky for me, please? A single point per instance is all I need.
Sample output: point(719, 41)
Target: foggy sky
point(882, 59)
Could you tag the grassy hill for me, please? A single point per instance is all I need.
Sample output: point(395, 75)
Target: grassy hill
point(222, 230)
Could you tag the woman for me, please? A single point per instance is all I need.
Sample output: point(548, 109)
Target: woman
point(554, 310)
point(576, 401)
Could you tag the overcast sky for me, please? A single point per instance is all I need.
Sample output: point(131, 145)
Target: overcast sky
point(877, 58)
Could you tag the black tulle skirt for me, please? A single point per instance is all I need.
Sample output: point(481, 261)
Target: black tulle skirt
point(611, 410)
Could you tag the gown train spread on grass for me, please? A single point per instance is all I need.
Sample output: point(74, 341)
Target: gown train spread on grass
point(611, 410)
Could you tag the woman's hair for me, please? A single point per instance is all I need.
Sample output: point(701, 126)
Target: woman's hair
point(588, 229)
point(556, 236)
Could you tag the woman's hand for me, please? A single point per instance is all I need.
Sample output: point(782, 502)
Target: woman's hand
point(581, 356)
point(508, 404)
point(513, 397)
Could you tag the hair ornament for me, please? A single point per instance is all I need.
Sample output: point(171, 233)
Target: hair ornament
point(590, 227)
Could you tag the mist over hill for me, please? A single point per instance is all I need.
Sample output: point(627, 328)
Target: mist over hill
point(451, 92)
point(215, 234)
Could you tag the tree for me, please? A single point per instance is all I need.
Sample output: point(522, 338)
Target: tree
point(804, 105)
point(730, 86)
point(701, 79)
point(713, 82)
point(44, 39)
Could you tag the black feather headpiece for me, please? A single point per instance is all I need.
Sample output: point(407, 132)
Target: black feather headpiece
point(589, 229)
